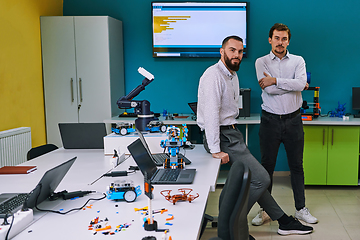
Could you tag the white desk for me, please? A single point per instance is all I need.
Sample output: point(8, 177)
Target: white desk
point(253, 119)
point(89, 166)
point(334, 121)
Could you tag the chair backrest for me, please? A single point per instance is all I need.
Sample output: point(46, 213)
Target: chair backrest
point(233, 204)
point(38, 151)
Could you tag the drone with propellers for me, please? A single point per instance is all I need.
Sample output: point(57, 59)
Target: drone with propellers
point(184, 195)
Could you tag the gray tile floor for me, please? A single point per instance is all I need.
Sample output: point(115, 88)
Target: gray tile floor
point(336, 207)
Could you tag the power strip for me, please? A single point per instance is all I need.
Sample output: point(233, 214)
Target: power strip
point(21, 220)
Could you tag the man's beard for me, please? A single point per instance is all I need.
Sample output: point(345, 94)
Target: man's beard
point(278, 52)
point(229, 64)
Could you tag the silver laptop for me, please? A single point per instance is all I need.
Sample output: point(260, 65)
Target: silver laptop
point(82, 135)
point(158, 176)
point(159, 158)
point(13, 202)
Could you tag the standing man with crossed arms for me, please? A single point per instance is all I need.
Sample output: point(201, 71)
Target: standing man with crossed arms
point(282, 78)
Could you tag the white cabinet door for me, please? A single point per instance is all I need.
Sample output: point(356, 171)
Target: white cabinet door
point(59, 72)
point(93, 68)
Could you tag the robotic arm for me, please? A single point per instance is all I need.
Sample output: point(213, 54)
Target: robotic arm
point(141, 107)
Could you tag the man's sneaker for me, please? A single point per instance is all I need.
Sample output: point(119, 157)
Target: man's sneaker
point(294, 227)
point(305, 215)
point(260, 218)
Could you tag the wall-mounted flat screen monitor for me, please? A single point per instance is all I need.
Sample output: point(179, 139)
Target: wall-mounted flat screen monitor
point(356, 98)
point(196, 29)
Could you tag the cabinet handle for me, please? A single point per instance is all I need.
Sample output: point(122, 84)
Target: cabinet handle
point(72, 89)
point(80, 87)
point(323, 137)
point(332, 137)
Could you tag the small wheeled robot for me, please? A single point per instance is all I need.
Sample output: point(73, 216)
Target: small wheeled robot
point(156, 126)
point(173, 145)
point(123, 128)
point(123, 190)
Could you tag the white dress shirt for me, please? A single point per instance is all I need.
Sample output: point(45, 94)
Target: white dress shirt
point(290, 73)
point(218, 96)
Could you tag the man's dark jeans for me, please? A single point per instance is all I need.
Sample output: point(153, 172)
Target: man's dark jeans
point(289, 131)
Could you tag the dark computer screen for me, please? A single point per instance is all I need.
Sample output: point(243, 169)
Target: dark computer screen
point(142, 158)
point(356, 98)
point(48, 183)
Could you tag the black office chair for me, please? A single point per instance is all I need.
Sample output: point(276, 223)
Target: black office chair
point(233, 204)
point(40, 150)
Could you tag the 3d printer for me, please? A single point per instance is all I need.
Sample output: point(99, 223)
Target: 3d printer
point(315, 105)
point(141, 108)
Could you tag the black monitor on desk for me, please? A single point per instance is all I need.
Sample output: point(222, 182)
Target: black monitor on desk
point(356, 100)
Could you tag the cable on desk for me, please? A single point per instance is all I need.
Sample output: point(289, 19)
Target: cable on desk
point(135, 168)
point(74, 209)
point(107, 173)
point(118, 173)
point(6, 223)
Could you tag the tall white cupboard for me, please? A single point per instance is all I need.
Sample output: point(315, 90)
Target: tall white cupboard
point(83, 70)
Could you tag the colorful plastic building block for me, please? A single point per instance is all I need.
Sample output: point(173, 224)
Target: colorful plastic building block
point(173, 145)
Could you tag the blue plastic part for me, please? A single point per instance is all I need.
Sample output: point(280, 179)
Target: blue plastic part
point(153, 129)
point(339, 111)
point(308, 75)
point(130, 130)
point(115, 130)
point(138, 190)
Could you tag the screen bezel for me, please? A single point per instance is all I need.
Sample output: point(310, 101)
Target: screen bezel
point(356, 98)
point(192, 56)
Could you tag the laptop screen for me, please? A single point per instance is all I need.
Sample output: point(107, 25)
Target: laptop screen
point(141, 136)
point(48, 183)
point(142, 158)
point(82, 135)
point(193, 106)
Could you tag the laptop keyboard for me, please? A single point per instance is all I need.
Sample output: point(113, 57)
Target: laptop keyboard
point(159, 158)
point(170, 175)
point(13, 204)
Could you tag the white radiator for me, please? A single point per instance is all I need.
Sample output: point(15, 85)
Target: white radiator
point(14, 145)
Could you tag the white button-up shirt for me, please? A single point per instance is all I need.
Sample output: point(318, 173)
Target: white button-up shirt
point(218, 96)
point(290, 73)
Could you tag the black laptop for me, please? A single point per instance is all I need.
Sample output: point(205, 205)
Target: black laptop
point(158, 176)
point(193, 106)
point(82, 135)
point(159, 158)
point(13, 202)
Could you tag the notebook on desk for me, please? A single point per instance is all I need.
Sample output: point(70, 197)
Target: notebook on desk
point(13, 202)
point(159, 158)
point(82, 135)
point(146, 164)
point(17, 169)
